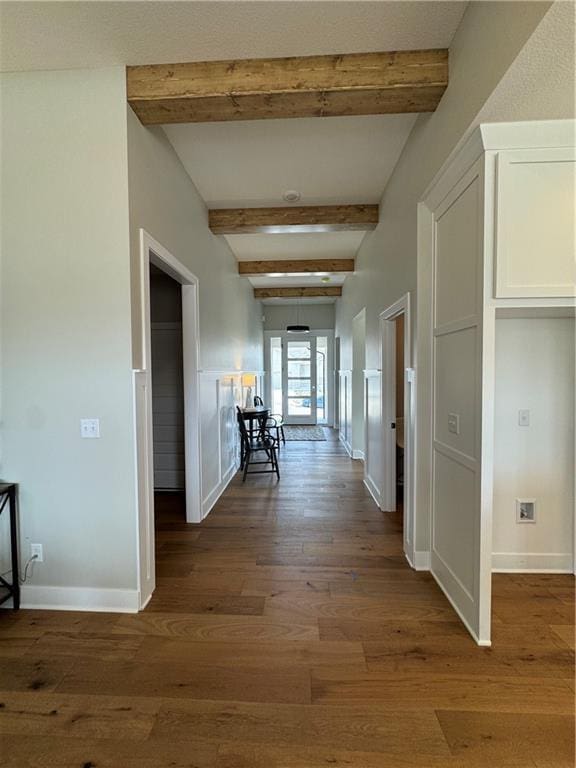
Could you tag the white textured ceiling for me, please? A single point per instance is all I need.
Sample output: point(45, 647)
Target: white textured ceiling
point(66, 35)
point(294, 281)
point(330, 245)
point(314, 300)
point(331, 160)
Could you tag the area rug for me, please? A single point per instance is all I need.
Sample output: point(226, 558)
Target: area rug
point(304, 433)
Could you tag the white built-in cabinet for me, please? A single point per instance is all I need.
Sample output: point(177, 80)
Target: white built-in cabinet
point(496, 235)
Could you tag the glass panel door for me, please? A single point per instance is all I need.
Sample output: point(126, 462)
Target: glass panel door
point(299, 380)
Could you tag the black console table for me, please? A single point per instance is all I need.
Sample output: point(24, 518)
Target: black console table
point(8, 495)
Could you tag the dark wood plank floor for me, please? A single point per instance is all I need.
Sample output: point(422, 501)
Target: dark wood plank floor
point(287, 631)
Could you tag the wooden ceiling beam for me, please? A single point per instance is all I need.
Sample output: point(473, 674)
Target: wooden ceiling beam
point(297, 293)
point(295, 266)
point(301, 86)
point(299, 219)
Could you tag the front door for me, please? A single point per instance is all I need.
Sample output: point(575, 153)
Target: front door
point(299, 380)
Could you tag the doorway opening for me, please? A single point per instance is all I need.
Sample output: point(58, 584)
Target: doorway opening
point(400, 444)
point(178, 471)
point(167, 364)
point(397, 419)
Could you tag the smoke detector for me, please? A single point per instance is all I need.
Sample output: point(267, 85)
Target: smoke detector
point(291, 196)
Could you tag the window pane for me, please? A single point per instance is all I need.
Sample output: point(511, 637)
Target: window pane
point(298, 350)
point(298, 369)
point(299, 406)
point(299, 388)
point(276, 373)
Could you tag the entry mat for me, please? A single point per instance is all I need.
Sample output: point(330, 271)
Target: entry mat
point(304, 433)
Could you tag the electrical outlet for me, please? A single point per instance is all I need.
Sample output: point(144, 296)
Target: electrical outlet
point(90, 428)
point(454, 423)
point(525, 510)
point(37, 552)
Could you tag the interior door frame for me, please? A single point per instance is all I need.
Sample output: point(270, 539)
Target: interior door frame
point(387, 320)
point(152, 252)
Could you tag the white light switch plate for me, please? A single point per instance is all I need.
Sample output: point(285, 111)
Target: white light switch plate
point(90, 428)
point(524, 418)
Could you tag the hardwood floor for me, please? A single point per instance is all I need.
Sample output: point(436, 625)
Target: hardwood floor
point(287, 631)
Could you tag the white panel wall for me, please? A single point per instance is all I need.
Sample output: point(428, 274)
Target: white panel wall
point(373, 426)
point(457, 352)
point(534, 371)
point(358, 387)
point(345, 408)
point(220, 393)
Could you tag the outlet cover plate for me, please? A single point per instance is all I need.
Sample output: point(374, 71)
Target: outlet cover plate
point(525, 510)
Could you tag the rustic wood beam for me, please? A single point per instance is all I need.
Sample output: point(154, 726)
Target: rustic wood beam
point(297, 293)
point(300, 219)
point(294, 266)
point(301, 86)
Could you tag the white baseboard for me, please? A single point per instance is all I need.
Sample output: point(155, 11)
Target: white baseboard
point(532, 562)
point(358, 455)
point(79, 599)
point(219, 489)
point(346, 445)
point(477, 640)
point(373, 489)
point(421, 560)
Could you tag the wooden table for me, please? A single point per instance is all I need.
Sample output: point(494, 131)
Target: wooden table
point(260, 414)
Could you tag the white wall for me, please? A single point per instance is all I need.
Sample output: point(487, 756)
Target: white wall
point(535, 371)
point(319, 317)
point(485, 46)
point(79, 177)
point(165, 202)
point(66, 329)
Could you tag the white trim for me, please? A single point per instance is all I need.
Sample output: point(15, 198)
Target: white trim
point(373, 489)
point(531, 562)
point(388, 410)
point(483, 643)
point(211, 499)
point(152, 252)
point(346, 444)
point(80, 599)
point(358, 455)
point(421, 561)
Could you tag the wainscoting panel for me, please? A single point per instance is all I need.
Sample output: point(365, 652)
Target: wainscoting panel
point(373, 432)
point(345, 390)
point(220, 393)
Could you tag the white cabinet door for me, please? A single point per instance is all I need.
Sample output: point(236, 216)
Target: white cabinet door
point(535, 223)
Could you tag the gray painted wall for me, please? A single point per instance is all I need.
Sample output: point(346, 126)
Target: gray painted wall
point(319, 317)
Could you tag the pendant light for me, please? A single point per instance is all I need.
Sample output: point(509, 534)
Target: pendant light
point(297, 328)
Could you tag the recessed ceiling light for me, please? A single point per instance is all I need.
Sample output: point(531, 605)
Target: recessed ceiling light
point(291, 196)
